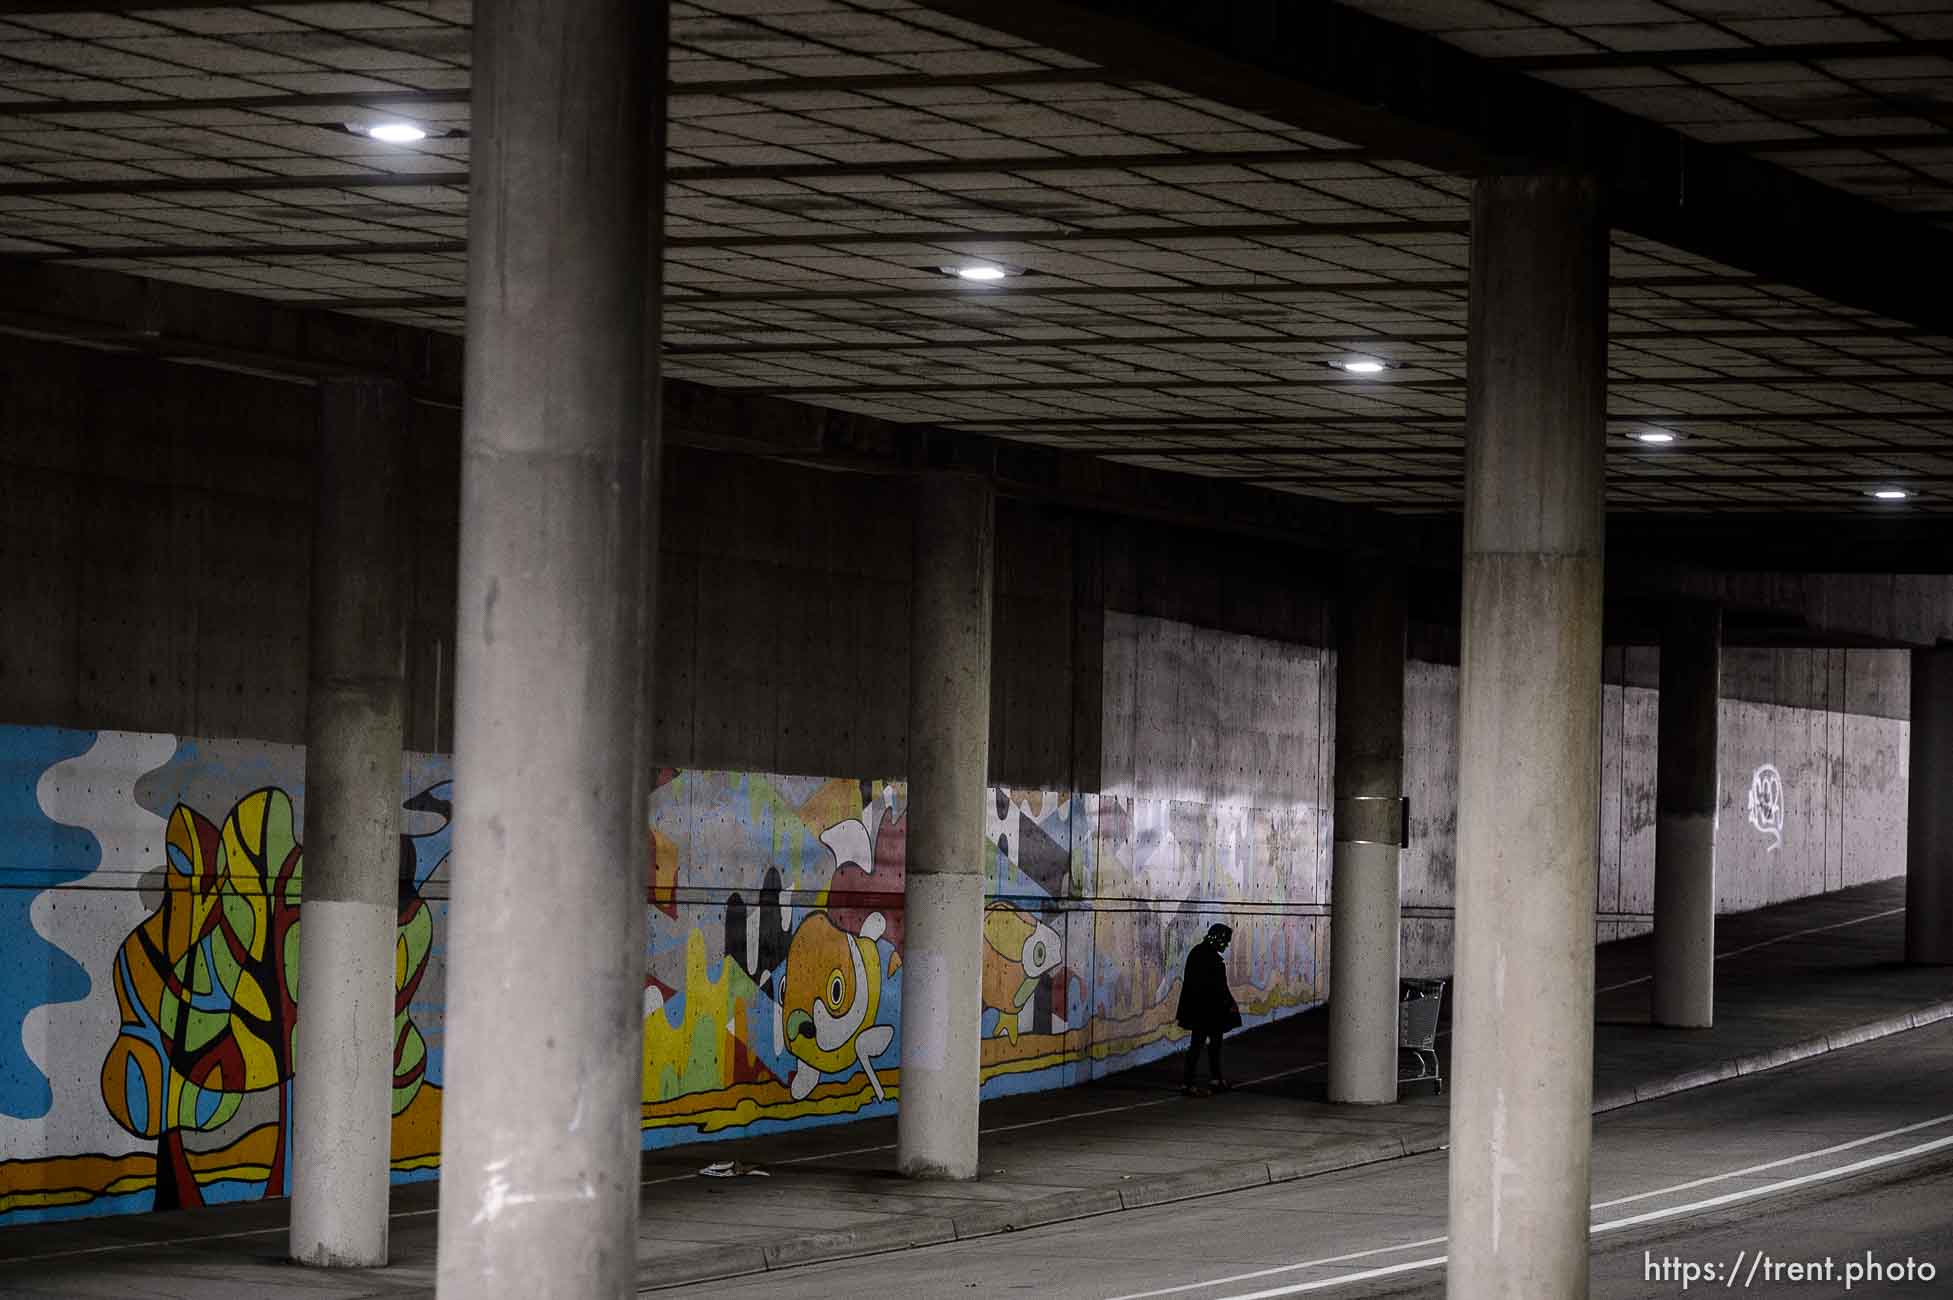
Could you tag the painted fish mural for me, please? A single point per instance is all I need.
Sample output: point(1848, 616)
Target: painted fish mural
point(830, 996)
point(160, 879)
point(1018, 952)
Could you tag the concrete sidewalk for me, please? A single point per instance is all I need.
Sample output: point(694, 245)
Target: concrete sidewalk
point(1793, 981)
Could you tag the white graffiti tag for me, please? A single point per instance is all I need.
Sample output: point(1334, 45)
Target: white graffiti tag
point(1766, 804)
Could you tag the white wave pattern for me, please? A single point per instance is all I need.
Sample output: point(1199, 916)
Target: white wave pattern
point(88, 920)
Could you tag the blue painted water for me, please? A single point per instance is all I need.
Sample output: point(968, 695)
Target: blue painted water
point(39, 855)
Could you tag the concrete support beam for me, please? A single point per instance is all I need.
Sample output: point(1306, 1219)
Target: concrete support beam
point(1929, 812)
point(949, 753)
point(1529, 740)
point(1364, 928)
point(342, 1108)
point(1685, 818)
point(540, 1122)
point(1365, 78)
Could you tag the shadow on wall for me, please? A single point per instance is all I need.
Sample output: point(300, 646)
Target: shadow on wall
point(150, 904)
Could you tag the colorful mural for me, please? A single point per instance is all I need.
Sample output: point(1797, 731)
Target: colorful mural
point(207, 988)
point(161, 1077)
point(154, 898)
point(775, 979)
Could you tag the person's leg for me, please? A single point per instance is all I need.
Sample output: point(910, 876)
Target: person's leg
point(1214, 1061)
point(1193, 1055)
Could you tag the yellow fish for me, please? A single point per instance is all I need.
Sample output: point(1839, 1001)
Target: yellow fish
point(832, 990)
point(1018, 951)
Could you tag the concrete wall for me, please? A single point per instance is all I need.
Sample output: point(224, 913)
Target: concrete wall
point(783, 625)
point(1215, 807)
point(767, 891)
point(155, 524)
point(154, 540)
point(1812, 768)
point(1162, 729)
point(151, 897)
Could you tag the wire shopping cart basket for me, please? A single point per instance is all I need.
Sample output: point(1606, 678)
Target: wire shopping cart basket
point(1417, 1029)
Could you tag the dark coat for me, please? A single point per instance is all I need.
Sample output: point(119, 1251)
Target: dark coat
point(1206, 1006)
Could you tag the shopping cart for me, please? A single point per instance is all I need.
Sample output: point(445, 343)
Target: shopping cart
point(1417, 1029)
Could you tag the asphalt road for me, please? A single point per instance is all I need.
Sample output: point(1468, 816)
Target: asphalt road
point(1828, 1160)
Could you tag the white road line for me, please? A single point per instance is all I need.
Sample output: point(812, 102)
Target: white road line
point(1782, 938)
point(1776, 1164)
point(1286, 1268)
point(1783, 1185)
point(1408, 1266)
point(142, 1245)
point(1633, 1220)
point(1608, 1226)
point(1615, 1225)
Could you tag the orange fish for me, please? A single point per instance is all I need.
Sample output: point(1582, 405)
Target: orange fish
point(1018, 951)
point(832, 990)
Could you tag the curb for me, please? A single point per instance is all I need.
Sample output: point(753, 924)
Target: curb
point(707, 1264)
point(896, 1234)
point(907, 1232)
point(1059, 1207)
point(1771, 1058)
point(716, 1264)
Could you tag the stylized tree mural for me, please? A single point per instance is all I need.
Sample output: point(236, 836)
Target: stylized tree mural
point(203, 989)
point(207, 986)
point(415, 938)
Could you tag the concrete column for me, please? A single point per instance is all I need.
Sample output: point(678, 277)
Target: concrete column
point(1929, 812)
point(1529, 740)
point(949, 760)
point(1685, 825)
point(540, 1122)
point(1364, 909)
point(342, 1102)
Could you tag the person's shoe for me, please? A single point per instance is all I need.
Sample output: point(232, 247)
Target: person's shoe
point(1191, 1091)
point(1222, 1085)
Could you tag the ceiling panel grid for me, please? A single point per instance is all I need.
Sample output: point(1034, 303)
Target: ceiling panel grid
point(1857, 94)
point(1185, 274)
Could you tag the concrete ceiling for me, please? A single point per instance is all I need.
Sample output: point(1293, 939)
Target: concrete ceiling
point(1856, 94)
point(1191, 267)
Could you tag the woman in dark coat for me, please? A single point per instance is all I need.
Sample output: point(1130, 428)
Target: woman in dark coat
point(1207, 1009)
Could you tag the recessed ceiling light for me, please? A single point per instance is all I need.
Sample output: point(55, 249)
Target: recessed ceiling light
point(1654, 436)
point(1889, 494)
point(391, 131)
point(1363, 366)
point(981, 272)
